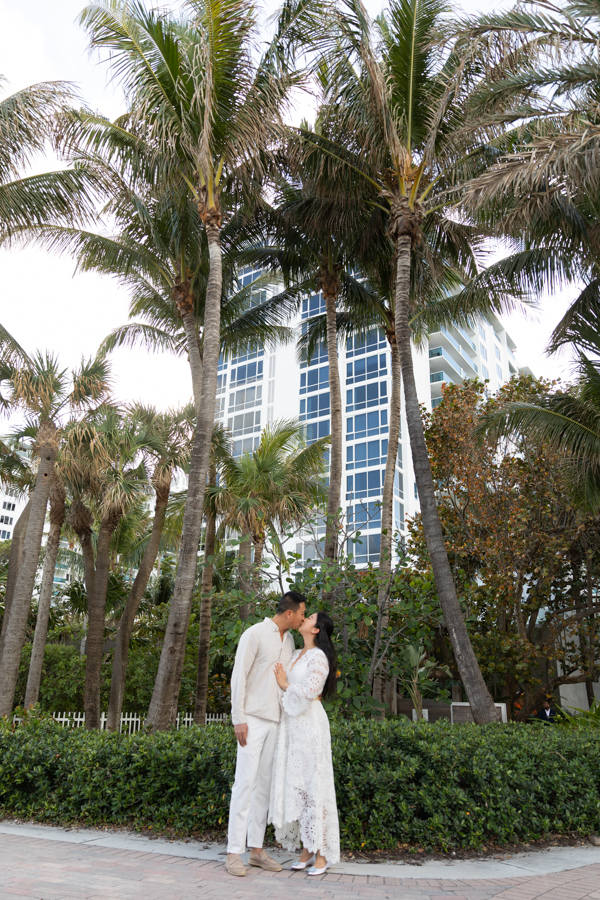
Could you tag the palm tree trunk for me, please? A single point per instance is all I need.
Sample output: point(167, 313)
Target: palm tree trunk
point(387, 502)
point(258, 543)
point(193, 345)
point(478, 695)
point(17, 624)
point(163, 705)
point(332, 532)
point(96, 622)
point(57, 518)
point(81, 519)
point(387, 505)
point(184, 301)
point(14, 561)
point(244, 572)
point(205, 623)
point(121, 652)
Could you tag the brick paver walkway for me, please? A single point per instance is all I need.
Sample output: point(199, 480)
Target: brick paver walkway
point(53, 870)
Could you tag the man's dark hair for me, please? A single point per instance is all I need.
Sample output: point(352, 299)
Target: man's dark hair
point(290, 600)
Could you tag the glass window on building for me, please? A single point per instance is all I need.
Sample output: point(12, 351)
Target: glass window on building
point(247, 445)
point(314, 380)
point(499, 373)
point(399, 514)
point(399, 485)
point(250, 351)
point(313, 305)
point(315, 406)
point(365, 343)
point(486, 372)
point(247, 374)
point(244, 424)
point(245, 398)
point(358, 456)
point(497, 352)
point(317, 430)
point(370, 423)
point(366, 368)
point(483, 352)
point(366, 395)
point(365, 548)
point(364, 484)
point(365, 515)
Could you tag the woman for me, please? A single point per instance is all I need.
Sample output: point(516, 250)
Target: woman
point(303, 808)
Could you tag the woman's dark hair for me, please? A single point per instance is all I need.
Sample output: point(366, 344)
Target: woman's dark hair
point(323, 642)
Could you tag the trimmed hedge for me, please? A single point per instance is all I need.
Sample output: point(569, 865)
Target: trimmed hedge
point(433, 785)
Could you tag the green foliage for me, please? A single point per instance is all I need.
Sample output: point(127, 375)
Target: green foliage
point(435, 785)
point(583, 718)
point(349, 595)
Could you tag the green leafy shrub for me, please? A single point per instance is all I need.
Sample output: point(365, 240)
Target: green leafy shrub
point(434, 785)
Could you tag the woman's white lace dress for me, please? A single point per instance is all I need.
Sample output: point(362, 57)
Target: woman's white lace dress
point(303, 808)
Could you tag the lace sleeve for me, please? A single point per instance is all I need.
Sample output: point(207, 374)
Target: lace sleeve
point(298, 697)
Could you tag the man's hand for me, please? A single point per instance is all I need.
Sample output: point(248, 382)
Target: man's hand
point(241, 733)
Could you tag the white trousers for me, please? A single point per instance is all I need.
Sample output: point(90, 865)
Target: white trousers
point(251, 791)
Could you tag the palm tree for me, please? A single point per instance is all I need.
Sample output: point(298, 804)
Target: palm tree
point(173, 433)
point(57, 518)
point(313, 235)
point(407, 106)
point(264, 492)
point(210, 121)
point(26, 124)
point(159, 253)
point(566, 420)
point(108, 453)
point(16, 471)
point(46, 393)
point(542, 68)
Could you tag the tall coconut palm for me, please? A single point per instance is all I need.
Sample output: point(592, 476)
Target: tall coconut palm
point(196, 88)
point(407, 104)
point(173, 431)
point(109, 454)
point(47, 394)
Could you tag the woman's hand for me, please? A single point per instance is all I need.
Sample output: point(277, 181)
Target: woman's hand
point(281, 676)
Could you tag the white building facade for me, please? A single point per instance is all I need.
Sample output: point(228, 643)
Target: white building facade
point(11, 507)
point(263, 386)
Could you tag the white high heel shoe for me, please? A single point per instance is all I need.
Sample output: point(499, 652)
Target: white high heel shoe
point(303, 865)
point(315, 871)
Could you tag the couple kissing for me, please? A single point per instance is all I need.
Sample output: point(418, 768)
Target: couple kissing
point(284, 769)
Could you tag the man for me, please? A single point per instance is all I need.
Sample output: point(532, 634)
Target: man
point(546, 713)
point(255, 712)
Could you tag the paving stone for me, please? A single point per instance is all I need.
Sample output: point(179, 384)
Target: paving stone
point(41, 869)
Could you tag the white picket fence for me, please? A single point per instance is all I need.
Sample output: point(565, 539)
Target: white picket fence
point(131, 722)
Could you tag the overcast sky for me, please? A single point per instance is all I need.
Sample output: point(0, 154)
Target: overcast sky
point(45, 306)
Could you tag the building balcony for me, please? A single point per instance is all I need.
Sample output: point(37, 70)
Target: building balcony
point(437, 379)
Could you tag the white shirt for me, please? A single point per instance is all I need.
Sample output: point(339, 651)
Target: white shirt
point(254, 688)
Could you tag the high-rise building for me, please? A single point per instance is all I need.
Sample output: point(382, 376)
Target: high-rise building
point(11, 507)
point(261, 386)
